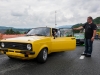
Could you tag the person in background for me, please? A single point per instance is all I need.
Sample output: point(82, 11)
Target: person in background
point(58, 33)
point(54, 33)
point(97, 36)
point(90, 33)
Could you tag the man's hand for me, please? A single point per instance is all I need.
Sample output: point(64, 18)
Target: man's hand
point(94, 33)
point(74, 28)
point(79, 28)
point(92, 39)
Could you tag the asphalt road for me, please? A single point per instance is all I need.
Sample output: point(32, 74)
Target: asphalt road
point(64, 63)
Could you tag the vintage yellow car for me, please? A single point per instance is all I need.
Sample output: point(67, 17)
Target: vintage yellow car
point(37, 43)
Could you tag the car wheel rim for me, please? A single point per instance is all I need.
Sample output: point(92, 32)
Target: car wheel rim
point(45, 54)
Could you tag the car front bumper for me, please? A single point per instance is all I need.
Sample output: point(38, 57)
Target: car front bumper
point(21, 54)
point(78, 41)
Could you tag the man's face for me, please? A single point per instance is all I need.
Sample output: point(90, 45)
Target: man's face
point(89, 20)
point(53, 30)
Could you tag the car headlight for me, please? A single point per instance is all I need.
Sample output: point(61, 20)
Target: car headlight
point(2, 44)
point(29, 47)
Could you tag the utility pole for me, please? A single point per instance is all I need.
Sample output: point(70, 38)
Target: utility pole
point(55, 19)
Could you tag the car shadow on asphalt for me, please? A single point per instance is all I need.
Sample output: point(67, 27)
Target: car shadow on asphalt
point(79, 45)
point(55, 54)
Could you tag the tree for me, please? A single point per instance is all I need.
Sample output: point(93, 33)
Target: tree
point(7, 31)
point(11, 31)
point(17, 32)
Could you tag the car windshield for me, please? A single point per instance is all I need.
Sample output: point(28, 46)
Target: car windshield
point(41, 31)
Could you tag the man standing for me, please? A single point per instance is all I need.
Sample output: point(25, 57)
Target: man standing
point(90, 33)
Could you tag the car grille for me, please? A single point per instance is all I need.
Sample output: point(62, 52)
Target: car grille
point(14, 45)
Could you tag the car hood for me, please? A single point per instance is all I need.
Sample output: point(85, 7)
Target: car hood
point(23, 39)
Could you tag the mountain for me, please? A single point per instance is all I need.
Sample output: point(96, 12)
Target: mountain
point(3, 27)
point(97, 20)
point(65, 26)
point(22, 30)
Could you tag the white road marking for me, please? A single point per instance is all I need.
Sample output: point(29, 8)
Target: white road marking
point(82, 57)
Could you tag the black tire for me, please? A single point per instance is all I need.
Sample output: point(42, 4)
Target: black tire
point(43, 55)
point(81, 43)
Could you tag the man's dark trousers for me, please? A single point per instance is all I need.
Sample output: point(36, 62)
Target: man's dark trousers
point(88, 46)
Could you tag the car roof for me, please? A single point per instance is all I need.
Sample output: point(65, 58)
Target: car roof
point(45, 27)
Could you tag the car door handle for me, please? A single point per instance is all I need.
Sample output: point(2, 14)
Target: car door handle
point(72, 38)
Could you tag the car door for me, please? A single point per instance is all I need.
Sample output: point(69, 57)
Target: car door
point(63, 44)
point(70, 43)
point(57, 44)
point(56, 41)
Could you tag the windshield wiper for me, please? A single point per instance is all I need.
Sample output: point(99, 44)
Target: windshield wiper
point(29, 35)
point(40, 35)
point(36, 35)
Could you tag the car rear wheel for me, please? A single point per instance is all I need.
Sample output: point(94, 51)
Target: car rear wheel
point(43, 55)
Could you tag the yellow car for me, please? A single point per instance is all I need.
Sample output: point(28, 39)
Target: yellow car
point(37, 43)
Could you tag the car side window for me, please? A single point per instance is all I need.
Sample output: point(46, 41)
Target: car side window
point(66, 33)
point(56, 32)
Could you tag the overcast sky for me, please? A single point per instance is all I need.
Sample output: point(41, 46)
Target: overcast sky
point(35, 13)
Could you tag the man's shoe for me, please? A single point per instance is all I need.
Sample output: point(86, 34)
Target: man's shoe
point(88, 55)
point(83, 54)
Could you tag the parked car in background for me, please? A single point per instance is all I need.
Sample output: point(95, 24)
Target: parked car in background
point(37, 43)
point(79, 38)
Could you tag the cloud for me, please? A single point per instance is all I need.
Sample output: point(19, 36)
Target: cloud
point(16, 14)
point(35, 13)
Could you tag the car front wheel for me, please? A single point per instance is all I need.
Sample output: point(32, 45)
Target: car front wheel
point(43, 55)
